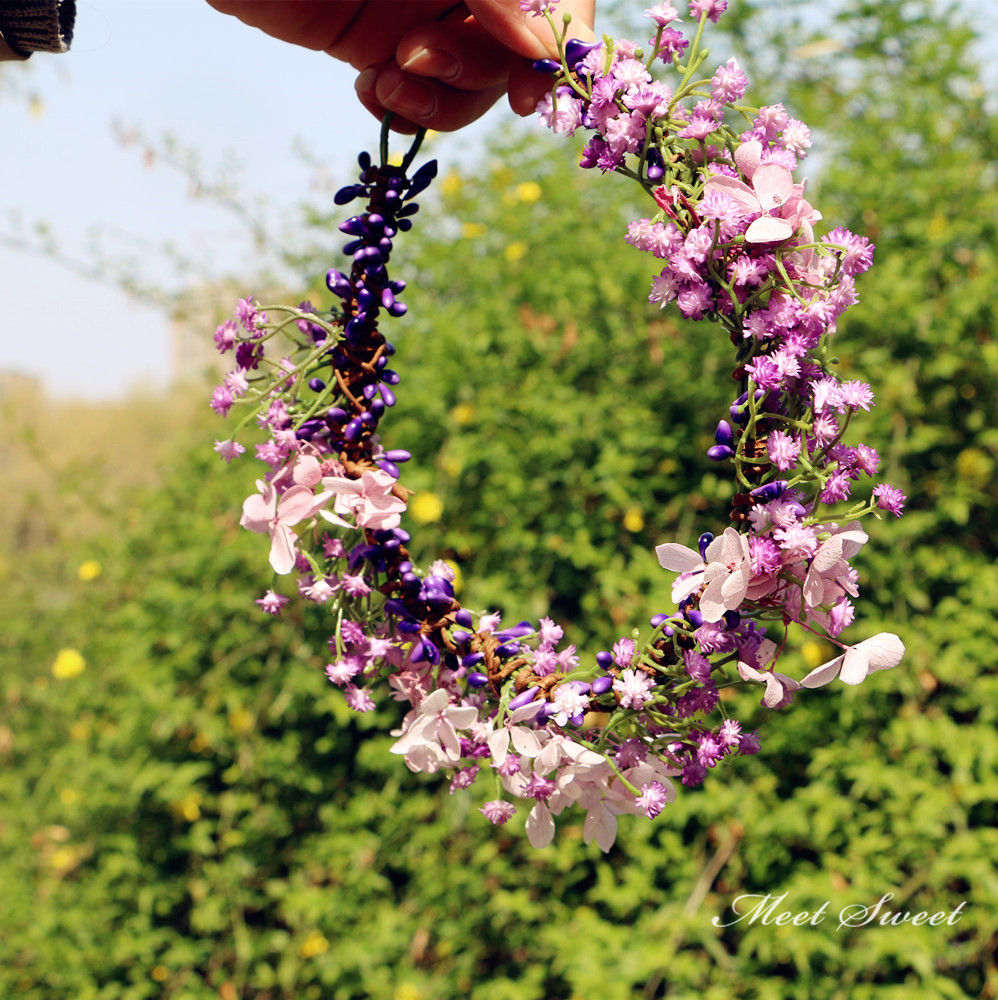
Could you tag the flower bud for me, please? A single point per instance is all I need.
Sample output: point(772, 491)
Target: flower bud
point(421, 179)
point(463, 617)
point(354, 226)
point(770, 491)
point(602, 684)
point(347, 194)
point(523, 698)
point(549, 66)
point(472, 659)
point(576, 50)
point(719, 453)
point(477, 680)
point(604, 658)
point(723, 435)
point(703, 541)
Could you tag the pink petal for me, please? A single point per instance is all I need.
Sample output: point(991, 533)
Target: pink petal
point(748, 157)
point(682, 588)
point(739, 192)
point(853, 539)
point(711, 605)
point(540, 826)
point(813, 589)
point(855, 666)
point(462, 717)
point(525, 741)
point(773, 185)
point(778, 686)
point(883, 650)
point(733, 589)
point(822, 675)
point(434, 703)
point(828, 554)
point(295, 505)
point(767, 229)
point(678, 558)
point(282, 549)
point(499, 744)
point(257, 514)
point(307, 471)
point(601, 826)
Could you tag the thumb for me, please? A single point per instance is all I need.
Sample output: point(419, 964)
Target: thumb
point(531, 36)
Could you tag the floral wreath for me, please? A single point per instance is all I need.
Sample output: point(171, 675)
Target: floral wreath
point(734, 232)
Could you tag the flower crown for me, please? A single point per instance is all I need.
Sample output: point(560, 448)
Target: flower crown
point(735, 234)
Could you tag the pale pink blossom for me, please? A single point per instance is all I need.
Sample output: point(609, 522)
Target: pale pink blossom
point(829, 573)
point(435, 724)
point(369, 499)
point(525, 741)
point(725, 569)
point(266, 513)
point(752, 667)
point(771, 190)
point(880, 652)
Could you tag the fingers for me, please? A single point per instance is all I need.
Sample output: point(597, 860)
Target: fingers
point(422, 101)
point(530, 36)
point(462, 55)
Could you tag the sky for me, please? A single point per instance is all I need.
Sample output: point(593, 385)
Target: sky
point(165, 66)
point(174, 66)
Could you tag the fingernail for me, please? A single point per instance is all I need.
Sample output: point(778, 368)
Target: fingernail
point(432, 62)
point(412, 100)
point(364, 84)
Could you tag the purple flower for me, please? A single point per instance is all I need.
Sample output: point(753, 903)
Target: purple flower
point(889, 498)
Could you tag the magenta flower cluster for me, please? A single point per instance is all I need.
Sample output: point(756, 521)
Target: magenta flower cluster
point(734, 233)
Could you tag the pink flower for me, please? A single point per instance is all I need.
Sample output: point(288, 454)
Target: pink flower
point(229, 449)
point(633, 688)
point(266, 513)
point(772, 191)
point(272, 603)
point(880, 652)
point(497, 812)
point(369, 499)
point(662, 13)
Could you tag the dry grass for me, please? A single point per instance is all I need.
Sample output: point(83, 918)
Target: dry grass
point(70, 469)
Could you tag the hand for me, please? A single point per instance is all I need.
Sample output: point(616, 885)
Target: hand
point(433, 63)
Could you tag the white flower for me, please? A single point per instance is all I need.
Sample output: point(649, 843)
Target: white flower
point(525, 741)
point(726, 568)
point(880, 652)
point(435, 724)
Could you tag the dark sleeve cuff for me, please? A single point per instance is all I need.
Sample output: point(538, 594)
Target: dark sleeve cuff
point(37, 25)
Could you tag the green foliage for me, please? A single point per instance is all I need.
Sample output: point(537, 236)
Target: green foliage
point(196, 814)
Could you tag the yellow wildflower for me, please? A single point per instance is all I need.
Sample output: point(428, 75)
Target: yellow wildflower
point(68, 663)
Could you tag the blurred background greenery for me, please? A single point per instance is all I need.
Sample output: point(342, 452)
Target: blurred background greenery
point(189, 811)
